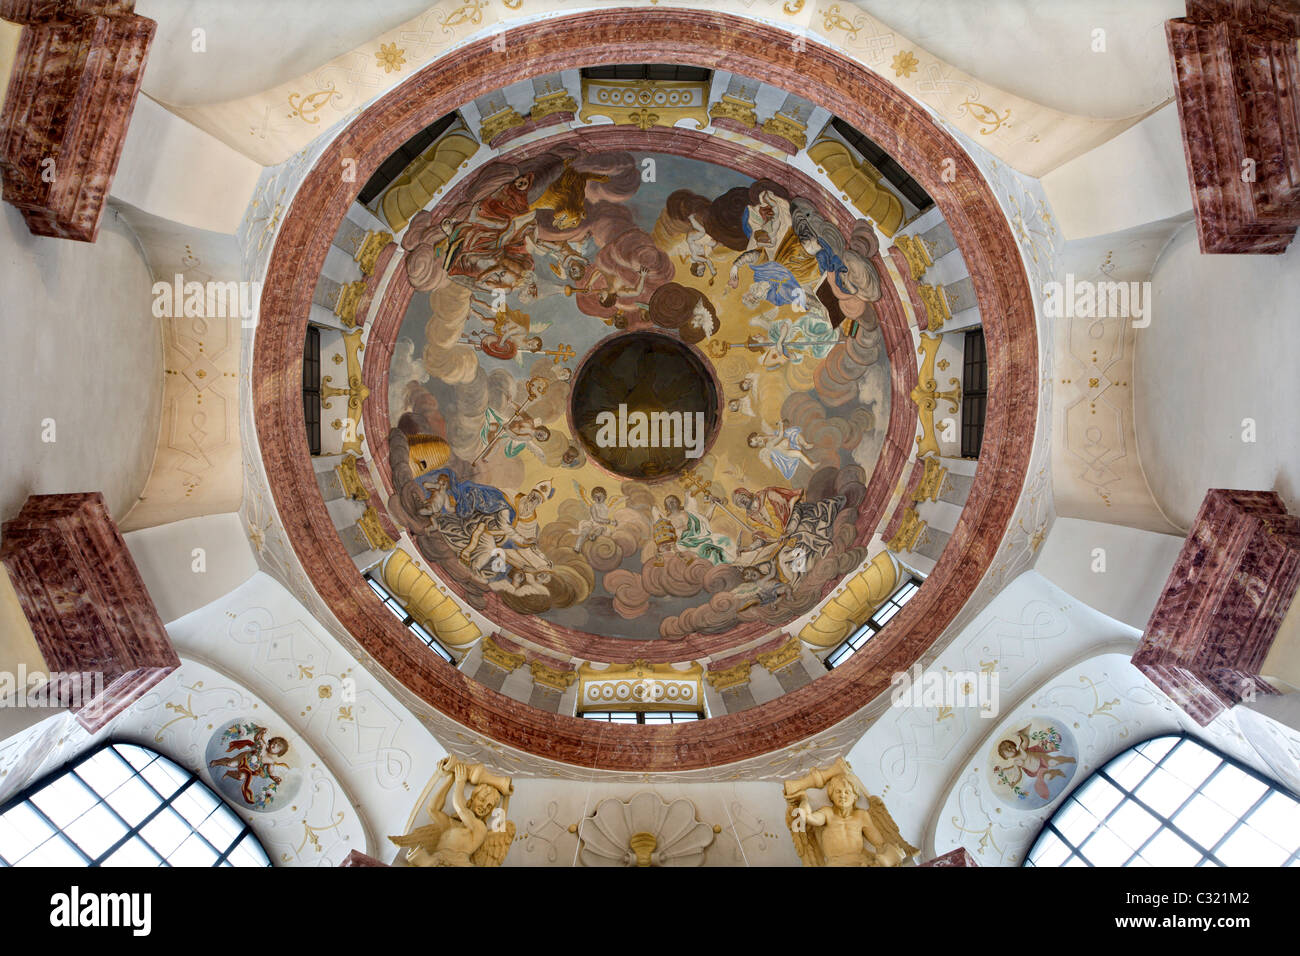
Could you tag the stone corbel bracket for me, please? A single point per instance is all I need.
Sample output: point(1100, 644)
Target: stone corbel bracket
point(63, 123)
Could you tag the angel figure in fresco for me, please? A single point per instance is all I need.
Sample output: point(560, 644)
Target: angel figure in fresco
point(787, 341)
point(1024, 758)
point(843, 833)
point(614, 292)
point(746, 403)
point(252, 759)
point(693, 534)
point(598, 522)
point(441, 497)
point(511, 332)
point(519, 432)
point(570, 262)
point(780, 448)
point(697, 248)
point(477, 833)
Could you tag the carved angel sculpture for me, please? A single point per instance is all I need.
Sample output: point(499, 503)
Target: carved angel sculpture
point(842, 834)
point(478, 834)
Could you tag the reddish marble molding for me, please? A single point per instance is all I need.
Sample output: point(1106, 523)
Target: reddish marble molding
point(64, 120)
point(953, 858)
point(368, 483)
point(919, 311)
point(1222, 604)
point(85, 601)
point(907, 501)
point(1237, 84)
point(776, 142)
point(824, 77)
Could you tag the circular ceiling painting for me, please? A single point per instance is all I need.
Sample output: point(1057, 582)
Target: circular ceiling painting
point(636, 395)
point(643, 405)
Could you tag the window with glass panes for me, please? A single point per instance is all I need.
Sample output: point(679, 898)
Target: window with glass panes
point(124, 805)
point(311, 397)
point(408, 621)
point(1172, 801)
point(640, 717)
point(974, 393)
point(879, 619)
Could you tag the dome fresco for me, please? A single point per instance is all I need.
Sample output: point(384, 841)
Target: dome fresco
point(741, 382)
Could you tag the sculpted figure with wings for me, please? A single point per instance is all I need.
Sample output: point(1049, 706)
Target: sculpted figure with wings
point(478, 834)
point(842, 834)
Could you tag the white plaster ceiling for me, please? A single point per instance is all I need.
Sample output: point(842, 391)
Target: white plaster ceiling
point(1043, 50)
point(253, 45)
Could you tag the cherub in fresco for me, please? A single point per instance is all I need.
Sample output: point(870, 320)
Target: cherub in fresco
point(511, 332)
point(780, 448)
point(598, 521)
point(570, 263)
point(253, 761)
point(442, 499)
point(683, 309)
point(1022, 758)
point(747, 402)
point(697, 248)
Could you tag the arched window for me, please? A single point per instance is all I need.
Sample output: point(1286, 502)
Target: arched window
point(124, 805)
point(1172, 801)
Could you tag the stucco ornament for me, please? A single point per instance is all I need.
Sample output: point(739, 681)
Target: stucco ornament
point(478, 834)
point(842, 834)
point(644, 831)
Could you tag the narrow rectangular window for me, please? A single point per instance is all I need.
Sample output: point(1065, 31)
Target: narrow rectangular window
point(974, 397)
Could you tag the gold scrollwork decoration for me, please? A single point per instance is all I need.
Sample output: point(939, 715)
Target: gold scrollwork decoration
point(306, 107)
point(927, 396)
point(986, 115)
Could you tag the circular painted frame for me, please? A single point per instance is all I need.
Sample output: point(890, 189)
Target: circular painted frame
point(820, 75)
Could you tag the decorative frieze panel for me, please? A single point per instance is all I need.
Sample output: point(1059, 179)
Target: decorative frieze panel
point(645, 103)
point(641, 686)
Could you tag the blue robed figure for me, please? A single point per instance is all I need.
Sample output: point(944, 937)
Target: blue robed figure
point(471, 498)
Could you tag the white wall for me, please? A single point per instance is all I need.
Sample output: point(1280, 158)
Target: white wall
point(1043, 51)
point(253, 45)
point(1138, 177)
point(1136, 565)
point(173, 170)
point(178, 579)
point(1221, 348)
point(82, 348)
